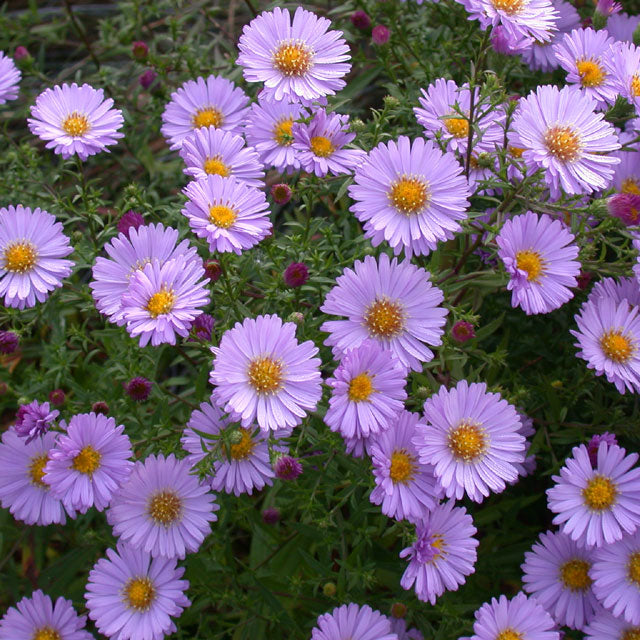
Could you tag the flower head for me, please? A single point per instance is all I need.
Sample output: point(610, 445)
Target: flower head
point(623, 63)
point(281, 193)
point(202, 327)
point(606, 626)
point(626, 207)
point(139, 50)
point(353, 622)
point(380, 34)
point(296, 274)
point(138, 388)
point(130, 219)
point(9, 78)
point(462, 331)
point(57, 397)
point(360, 19)
point(287, 468)
point(34, 420)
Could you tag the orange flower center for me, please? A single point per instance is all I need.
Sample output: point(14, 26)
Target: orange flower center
point(360, 388)
point(616, 346)
point(458, 127)
point(165, 507)
point(467, 441)
point(292, 58)
point(409, 194)
point(531, 262)
point(510, 7)
point(322, 146)
point(161, 302)
point(600, 493)
point(215, 167)
point(222, 216)
point(207, 117)
point(575, 575)
point(265, 375)
point(384, 318)
point(563, 143)
point(403, 466)
point(87, 461)
point(591, 73)
point(76, 125)
point(20, 257)
point(630, 185)
point(139, 594)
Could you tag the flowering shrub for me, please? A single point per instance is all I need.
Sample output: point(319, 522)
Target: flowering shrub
point(321, 321)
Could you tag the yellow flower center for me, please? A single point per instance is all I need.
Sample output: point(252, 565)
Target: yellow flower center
point(384, 318)
point(600, 493)
point(457, 127)
point(161, 302)
point(265, 375)
point(409, 194)
point(139, 593)
point(165, 507)
point(76, 125)
point(321, 146)
point(563, 143)
point(36, 471)
point(20, 257)
point(630, 185)
point(634, 567)
point(467, 441)
point(575, 575)
point(282, 132)
point(87, 461)
point(631, 634)
point(616, 346)
point(244, 448)
point(222, 216)
point(516, 152)
point(510, 7)
point(293, 58)
point(208, 117)
point(215, 166)
point(46, 633)
point(360, 388)
point(531, 262)
point(509, 634)
point(635, 85)
point(403, 465)
point(591, 73)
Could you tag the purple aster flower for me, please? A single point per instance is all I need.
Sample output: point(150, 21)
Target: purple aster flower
point(389, 302)
point(261, 373)
point(607, 627)
point(39, 618)
point(462, 331)
point(214, 102)
point(623, 63)
point(32, 247)
point(367, 391)
point(442, 115)
point(239, 468)
point(138, 388)
point(556, 573)
point(299, 59)
point(380, 34)
point(608, 338)
point(320, 144)
point(281, 193)
point(73, 119)
point(111, 276)
point(561, 133)
point(502, 43)
point(353, 622)
point(531, 19)
point(405, 488)
point(269, 130)
point(162, 508)
point(210, 151)
point(594, 445)
point(597, 505)
point(626, 178)
point(409, 194)
point(9, 78)
point(582, 53)
point(202, 327)
point(34, 420)
point(616, 578)
point(608, 7)
point(472, 438)
point(621, 26)
point(539, 255)
point(626, 207)
point(128, 220)
point(132, 595)
point(287, 468)
point(520, 617)
point(296, 274)
point(8, 342)
point(229, 214)
point(164, 299)
point(22, 489)
point(443, 554)
point(89, 462)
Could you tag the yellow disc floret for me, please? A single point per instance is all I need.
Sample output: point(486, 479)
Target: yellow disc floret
point(207, 117)
point(634, 567)
point(575, 575)
point(458, 127)
point(76, 125)
point(222, 216)
point(617, 346)
point(531, 262)
point(161, 302)
point(216, 167)
point(409, 194)
point(509, 634)
point(403, 466)
point(87, 461)
point(600, 493)
point(139, 594)
point(20, 257)
point(591, 72)
point(165, 507)
point(360, 388)
point(467, 441)
point(322, 146)
point(563, 143)
point(384, 318)
point(282, 132)
point(244, 448)
point(36, 470)
point(292, 58)
point(265, 375)
point(46, 633)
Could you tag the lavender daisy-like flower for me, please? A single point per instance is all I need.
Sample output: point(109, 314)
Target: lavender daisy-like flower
point(392, 303)
point(582, 53)
point(353, 622)
point(621, 26)
point(561, 133)
point(230, 215)
point(9, 78)
point(128, 254)
point(39, 618)
point(539, 255)
point(164, 299)
point(405, 488)
point(269, 130)
point(617, 290)
point(295, 60)
point(162, 508)
point(75, 120)
point(367, 391)
point(214, 102)
point(22, 488)
point(556, 573)
point(616, 578)
point(626, 178)
point(607, 627)
point(443, 554)
point(597, 506)
point(472, 438)
point(262, 374)
point(623, 63)
point(34, 420)
point(32, 250)
point(239, 468)
point(320, 144)
point(210, 151)
point(608, 338)
point(89, 462)
point(133, 596)
point(409, 194)
point(520, 617)
point(625, 207)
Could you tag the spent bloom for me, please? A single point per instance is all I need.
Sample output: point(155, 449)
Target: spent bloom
point(296, 274)
point(202, 327)
point(360, 19)
point(353, 622)
point(287, 468)
point(139, 50)
point(147, 78)
point(626, 207)
point(75, 120)
point(380, 34)
point(9, 342)
point(281, 193)
point(34, 420)
point(138, 388)
point(57, 397)
point(462, 331)
point(128, 220)
point(9, 78)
